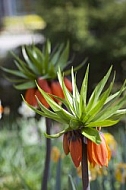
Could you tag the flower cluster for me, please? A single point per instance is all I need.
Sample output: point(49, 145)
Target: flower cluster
point(83, 118)
point(51, 87)
point(81, 114)
point(98, 154)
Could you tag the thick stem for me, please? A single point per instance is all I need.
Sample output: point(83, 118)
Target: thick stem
point(47, 157)
point(85, 176)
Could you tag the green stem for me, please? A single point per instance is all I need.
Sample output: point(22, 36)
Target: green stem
point(47, 157)
point(85, 177)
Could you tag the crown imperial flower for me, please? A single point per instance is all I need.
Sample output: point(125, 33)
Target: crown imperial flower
point(41, 67)
point(85, 118)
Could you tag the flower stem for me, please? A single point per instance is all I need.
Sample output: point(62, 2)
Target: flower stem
point(47, 157)
point(85, 177)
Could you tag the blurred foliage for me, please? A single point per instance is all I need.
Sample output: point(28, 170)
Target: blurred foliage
point(95, 28)
point(22, 159)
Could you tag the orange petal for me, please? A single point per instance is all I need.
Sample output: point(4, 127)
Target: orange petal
point(68, 84)
point(76, 151)
point(41, 99)
point(66, 144)
point(89, 152)
point(98, 153)
point(30, 96)
point(44, 85)
point(57, 90)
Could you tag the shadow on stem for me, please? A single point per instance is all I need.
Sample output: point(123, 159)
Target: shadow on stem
point(47, 157)
point(85, 176)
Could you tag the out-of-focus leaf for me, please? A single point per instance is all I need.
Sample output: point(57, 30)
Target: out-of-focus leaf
point(55, 135)
point(24, 183)
point(97, 91)
point(32, 62)
point(25, 85)
point(71, 183)
point(102, 123)
point(67, 72)
point(14, 72)
point(63, 57)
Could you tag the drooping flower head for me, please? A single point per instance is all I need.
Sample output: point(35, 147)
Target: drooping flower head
point(42, 67)
point(84, 117)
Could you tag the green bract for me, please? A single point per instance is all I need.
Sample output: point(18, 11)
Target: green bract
point(39, 63)
point(103, 109)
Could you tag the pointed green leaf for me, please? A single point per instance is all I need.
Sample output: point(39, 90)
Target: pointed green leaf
point(15, 80)
point(67, 72)
point(119, 114)
point(25, 85)
point(44, 111)
point(97, 91)
point(32, 62)
point(91, 134)
point(102, 123)
point(46, 60)
point(76, 95)
point(99, 104)
point(49, 113)
point(110, 110)
point(64, 57)
point(67, 94)
point(84, 86)
point(117, 94)
point(39, 57)
point(55, 135)
point(23, 69)
point(14, 72)
point(56, 54)
point(55, 107)
point(83, 93)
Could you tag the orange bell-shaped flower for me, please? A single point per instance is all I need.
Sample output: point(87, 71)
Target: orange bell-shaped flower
point(72, 143)
point(42, 99)
point(44, 85)
point(68, 84)
point(76, 151)
point(98, 154)
point(30, 96)
point(57, 90)
point(66, 143)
